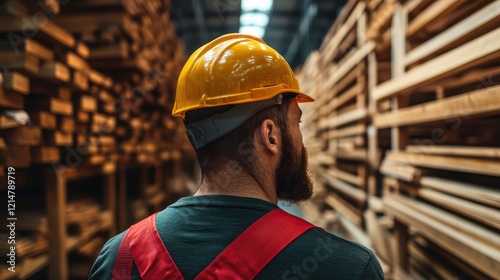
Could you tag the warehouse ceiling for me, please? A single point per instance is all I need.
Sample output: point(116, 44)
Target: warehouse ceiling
point(295, 27)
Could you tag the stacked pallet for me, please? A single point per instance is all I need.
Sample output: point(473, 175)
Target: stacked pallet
point(433, 114)
point(336, 124)
point(441, 177)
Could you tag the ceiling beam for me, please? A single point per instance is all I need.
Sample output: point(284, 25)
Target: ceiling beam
point(305, 23)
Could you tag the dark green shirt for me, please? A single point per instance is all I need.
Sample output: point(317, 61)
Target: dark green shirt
point(196, 229)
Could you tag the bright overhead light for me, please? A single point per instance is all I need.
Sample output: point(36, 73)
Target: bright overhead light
point(261, 5)
point(257, 19)
point(256, 31)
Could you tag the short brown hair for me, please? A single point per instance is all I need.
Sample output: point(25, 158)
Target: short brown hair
point(237, 145)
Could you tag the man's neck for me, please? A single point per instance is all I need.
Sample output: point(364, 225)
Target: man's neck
point(243, 185)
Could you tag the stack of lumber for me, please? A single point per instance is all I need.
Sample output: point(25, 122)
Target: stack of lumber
point(432, 130)
point(336, 124)
point(48, 77)
point(133, 42)
point(85, 84)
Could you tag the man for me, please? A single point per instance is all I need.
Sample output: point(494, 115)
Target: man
point(238, 98)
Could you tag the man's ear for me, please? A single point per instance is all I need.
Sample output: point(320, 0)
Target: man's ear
point(269, 136)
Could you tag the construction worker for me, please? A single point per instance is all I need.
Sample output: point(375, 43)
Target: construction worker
point(239, 101)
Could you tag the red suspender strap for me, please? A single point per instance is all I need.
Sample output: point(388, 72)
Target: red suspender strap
point(244, 258)
point(124, 261)
point(256, 247)
point(143, 243)
point(150, 255)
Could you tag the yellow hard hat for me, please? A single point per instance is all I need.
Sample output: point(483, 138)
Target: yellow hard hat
point(233, 69)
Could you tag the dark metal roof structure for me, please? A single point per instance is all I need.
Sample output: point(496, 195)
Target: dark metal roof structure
point(295, 28)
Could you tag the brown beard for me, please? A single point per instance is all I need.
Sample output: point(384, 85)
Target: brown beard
point(293, 179)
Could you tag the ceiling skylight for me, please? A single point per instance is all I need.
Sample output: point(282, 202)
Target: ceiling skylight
point(260, 5)
point(255, 16)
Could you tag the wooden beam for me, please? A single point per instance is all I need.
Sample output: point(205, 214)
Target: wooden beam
point(55, 196)
point(479, 102)
point(482, 194)
point(470, 165)
point(432, 12)
point(349, 63)
point(357, 129)
point(15, 82)
point(334, 42)
point(11, 99)
point(478, 19)
point(346, 189)
point(467, 151)
point(357, 114)
point(344, 208)
point(475, 52)
point(45, 155)
point(57, 34)
point(480, 255)
point(484, 214)
point(43, 119)
point(23, 135)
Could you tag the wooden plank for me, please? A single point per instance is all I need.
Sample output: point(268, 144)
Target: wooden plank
point(482, 17)
point(57, 138)
point(55, 194)
point(80, 80)
point(379, 237)
point(480, 255)
point(380, 18)
point(470, 165)
point(344, 175)
point(23, 135)
point(75, 62)
point(346, 189)
point(45, 155)
point(349, 63)
point(6, 122)
point(30, 47)
point(467, 151)
point(55, 33)
point(400, 170)
point(340, 120)
point(334, 42)
point(86, 103)
point(468, 55)
point(357, 129)
point(428, 15)
point(44, 120)
point(53, 105)
point(344, 208)
point(426, 262)
point(340, 100)
point(469, 191)
point(55, 71)
point(66, 124)
point(478, 212)
point(82, 50)
point(20, 61)
point(479, 102)
point(15, 82)
point(356, 154)
point(11, 100)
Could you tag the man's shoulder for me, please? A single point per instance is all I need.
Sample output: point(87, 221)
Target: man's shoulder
point(318, 254)
point(331, 243)
point(104, 264)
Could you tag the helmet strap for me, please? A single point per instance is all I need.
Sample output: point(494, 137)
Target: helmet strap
point(202, 132)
